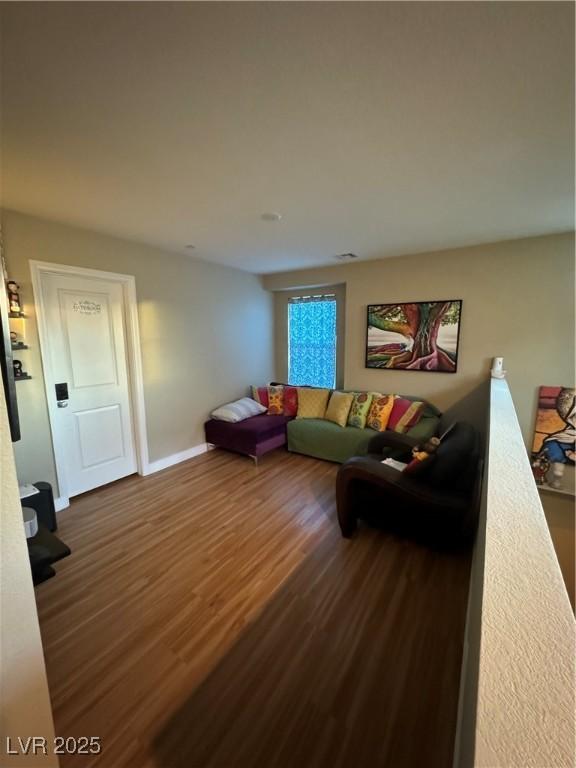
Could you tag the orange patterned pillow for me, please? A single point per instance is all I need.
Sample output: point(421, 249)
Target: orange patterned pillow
point(380, 411)
point(276, 401)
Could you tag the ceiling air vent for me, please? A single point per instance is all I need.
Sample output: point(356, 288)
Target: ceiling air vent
point(346, 256)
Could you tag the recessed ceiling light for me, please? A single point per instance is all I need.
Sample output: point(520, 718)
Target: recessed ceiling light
point(271, 216)
point(190, 246)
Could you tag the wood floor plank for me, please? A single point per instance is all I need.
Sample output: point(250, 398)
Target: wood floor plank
point(211, 616)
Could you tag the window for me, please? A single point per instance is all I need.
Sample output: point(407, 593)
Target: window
point(312, 340)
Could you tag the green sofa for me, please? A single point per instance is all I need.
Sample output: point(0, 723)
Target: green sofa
point(326, 440)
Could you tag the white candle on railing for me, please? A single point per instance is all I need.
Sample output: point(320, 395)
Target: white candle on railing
point(498, 371)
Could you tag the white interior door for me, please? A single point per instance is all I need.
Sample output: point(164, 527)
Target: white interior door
point(92, 427)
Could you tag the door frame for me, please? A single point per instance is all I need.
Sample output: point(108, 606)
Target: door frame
point(133, 360)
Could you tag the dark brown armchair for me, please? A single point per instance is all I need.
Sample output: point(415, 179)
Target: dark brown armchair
point(440, 501)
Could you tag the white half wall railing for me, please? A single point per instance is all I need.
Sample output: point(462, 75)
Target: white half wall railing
point(517, 699)
point(25, 710)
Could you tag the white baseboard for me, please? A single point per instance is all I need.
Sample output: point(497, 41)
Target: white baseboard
point(61, 502)
point(175, 458)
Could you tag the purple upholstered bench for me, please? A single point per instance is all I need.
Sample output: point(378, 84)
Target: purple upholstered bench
point(253, 437)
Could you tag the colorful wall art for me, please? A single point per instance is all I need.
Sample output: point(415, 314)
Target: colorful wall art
point(420, 336)
point(555, 433)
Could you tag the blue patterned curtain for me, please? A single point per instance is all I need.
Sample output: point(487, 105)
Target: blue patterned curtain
point(312, 342)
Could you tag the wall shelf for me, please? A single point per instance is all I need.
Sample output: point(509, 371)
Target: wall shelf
point(19, 346)
point(23, 377)
point(16, 315)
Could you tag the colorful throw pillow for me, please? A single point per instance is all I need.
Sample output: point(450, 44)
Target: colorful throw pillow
point(276, 401)
point(290, 401)
point(239, 410)
point(380, 410)
point(359, 409)
point(260, 394)
point(339, 407)
point(312, 402)
point(405, 414)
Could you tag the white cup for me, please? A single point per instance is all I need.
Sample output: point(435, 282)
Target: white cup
point(30, 522)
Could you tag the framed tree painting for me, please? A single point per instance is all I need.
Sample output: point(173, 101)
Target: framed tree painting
point(419, 336)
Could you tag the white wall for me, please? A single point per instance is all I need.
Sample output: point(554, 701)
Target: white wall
point(206, 334)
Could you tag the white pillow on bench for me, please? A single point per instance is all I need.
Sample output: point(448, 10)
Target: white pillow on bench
point(239, 410)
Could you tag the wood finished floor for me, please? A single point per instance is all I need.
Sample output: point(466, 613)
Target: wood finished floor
point(211, 616)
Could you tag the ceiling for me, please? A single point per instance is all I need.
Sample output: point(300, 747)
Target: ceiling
point(376, 128)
